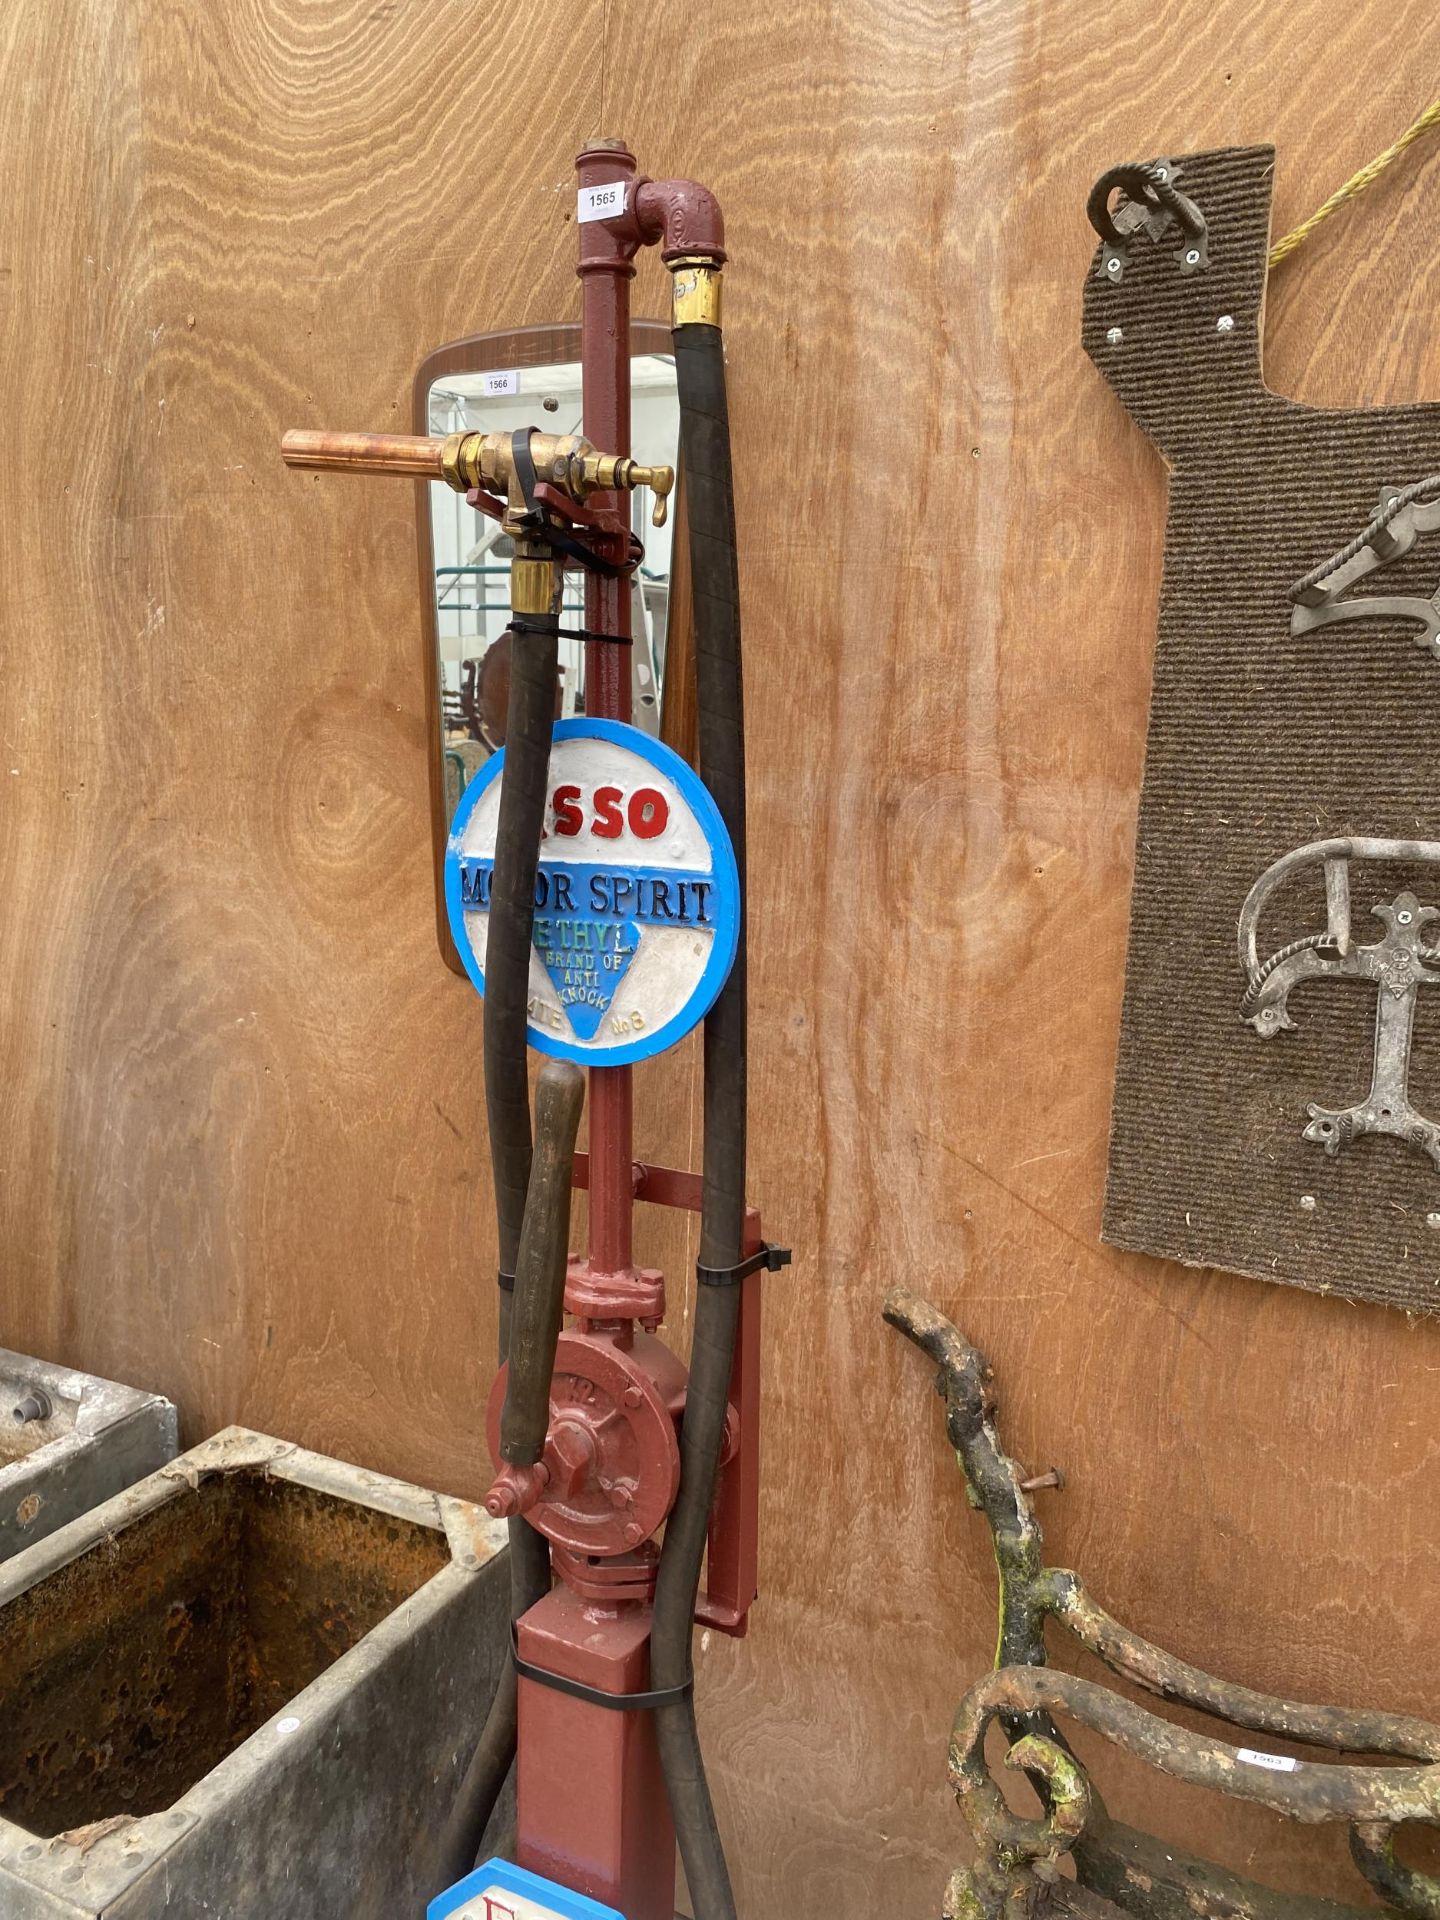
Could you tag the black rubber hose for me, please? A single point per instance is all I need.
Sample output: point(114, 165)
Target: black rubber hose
point(529, 720)
point(710, 506)
point(541, 1265)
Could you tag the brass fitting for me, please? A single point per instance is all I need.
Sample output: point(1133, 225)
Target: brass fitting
point(536, 579)
point(485, 460)
point(565, 460)
point(695, 290)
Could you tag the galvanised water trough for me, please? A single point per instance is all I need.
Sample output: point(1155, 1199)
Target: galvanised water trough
point(69, 1441)
point(247, 1686)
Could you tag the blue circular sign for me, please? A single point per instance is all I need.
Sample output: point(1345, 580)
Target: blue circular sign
point(637, 897)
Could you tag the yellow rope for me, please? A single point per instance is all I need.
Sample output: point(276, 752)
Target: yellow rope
point(1427, 122)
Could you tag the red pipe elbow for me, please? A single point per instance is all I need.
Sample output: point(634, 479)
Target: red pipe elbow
point(683, 216)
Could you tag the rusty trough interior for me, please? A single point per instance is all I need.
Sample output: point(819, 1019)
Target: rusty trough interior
point(131, 1673)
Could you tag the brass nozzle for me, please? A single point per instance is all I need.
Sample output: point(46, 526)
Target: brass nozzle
point(660, 481)
point(612, 472)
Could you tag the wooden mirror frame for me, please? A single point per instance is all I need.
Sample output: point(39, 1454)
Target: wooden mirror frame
point(540, 346)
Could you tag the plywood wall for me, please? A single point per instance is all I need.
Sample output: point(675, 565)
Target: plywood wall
point(241, 1146)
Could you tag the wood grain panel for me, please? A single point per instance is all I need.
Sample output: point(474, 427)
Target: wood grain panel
point(240, 1103)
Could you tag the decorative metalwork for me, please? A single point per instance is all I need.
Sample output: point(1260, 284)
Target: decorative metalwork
point(1402, 515)
point(1399, 964)
point(1154, 206)
point(1015, 1874)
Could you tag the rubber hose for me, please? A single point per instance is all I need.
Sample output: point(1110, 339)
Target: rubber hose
point(710, 505)
point(529, 720)
point(541, 1266)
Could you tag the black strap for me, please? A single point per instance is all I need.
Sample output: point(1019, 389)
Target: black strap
point(524, 465)
point(528, 623)
point(505, 1281)
point(771, 1258)
point(596, 1696)
point(553, 534)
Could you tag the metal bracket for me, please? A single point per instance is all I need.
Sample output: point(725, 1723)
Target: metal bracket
point(1152, 206)
point(1398, 964)
point(733, 1549)
point(767, 1257)
point(91, 1868)
point(1402, 515)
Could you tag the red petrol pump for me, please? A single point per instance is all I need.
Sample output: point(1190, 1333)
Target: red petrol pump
point(600, 1434)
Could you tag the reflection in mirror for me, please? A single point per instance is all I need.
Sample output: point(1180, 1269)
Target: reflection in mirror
point(472, 557)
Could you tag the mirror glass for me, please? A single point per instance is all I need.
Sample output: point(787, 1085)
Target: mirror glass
point(471, 556)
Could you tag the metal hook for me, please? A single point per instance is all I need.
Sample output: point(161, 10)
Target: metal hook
point(1153, 202)
point(1402, 515)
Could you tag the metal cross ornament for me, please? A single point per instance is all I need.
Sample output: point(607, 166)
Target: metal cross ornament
point(1399, 964)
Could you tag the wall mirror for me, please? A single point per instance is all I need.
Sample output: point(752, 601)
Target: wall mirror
point(497, 382)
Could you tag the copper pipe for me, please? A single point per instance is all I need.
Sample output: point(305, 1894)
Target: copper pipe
point(403, 453)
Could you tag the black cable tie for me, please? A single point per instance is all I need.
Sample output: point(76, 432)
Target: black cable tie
point(770, 1257)
point(588, 633)
point(525, 623)
point(505, 1281)
point(596, 1696)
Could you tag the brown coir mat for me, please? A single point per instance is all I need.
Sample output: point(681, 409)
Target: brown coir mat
point(1260, 743)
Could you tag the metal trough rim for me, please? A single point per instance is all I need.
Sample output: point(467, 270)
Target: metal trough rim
point(115, 1861)
point(101, 1404)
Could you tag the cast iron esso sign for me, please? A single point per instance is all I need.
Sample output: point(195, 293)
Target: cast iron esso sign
point(637, 899)
point(498, 1891)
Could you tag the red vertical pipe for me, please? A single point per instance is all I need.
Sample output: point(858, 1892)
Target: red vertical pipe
point(606, 270)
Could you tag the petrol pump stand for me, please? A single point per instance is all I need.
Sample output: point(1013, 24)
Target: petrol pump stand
point(598, 1432)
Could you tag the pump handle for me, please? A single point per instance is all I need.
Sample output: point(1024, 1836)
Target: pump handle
point(540, 1264)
